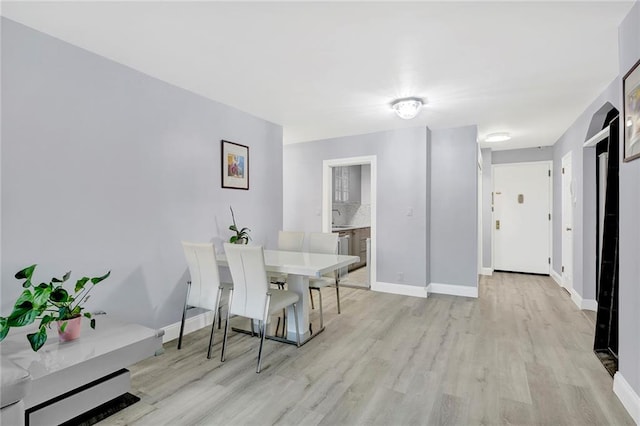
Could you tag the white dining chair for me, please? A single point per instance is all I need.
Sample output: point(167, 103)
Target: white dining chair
point(287, 241)
point(204, 289)
point(327, 243)
point(251, 296)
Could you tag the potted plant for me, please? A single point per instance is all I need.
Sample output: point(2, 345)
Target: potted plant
point(48, 303)
point(242, 235)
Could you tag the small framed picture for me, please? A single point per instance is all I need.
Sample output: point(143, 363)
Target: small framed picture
point(235, 165)
point(631, 96)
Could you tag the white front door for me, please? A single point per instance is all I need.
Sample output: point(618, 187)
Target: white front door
point(522, 217)
point(567, 223)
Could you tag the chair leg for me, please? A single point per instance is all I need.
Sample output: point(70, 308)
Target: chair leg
point(284, 323)
point(184, 315)
point(311, 296)
point(213, 325)
point(295, 316)
point(265, 317)
point(338, 294)
point(264, 334)
point(321, 316)
point(226, 327)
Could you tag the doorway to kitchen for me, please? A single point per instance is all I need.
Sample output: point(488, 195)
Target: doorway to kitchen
point(349, 208)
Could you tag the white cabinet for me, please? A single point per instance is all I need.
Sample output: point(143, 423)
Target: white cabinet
point(347, 184)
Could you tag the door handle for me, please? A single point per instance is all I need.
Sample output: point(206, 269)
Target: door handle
point(568, 229)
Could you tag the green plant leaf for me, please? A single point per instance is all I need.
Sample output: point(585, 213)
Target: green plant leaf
point(4, 328)
point(80, 284)
point(61, 280)
point(96, 280)
point(22, 315)
point(87, 314)
point(244, 230)
point(37, 340)
point(46, 320)
point(233, 239)
point(26, 296)
point(63, 327)
point(233, 228)
point(26, 273)
point(64, 312)
point(41, 295)
point(92, 323)
point(59, 295)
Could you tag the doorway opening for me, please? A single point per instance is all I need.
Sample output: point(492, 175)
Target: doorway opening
point(349, 208)
point(607, 195)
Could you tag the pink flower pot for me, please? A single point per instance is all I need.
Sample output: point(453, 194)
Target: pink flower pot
point(71, 331)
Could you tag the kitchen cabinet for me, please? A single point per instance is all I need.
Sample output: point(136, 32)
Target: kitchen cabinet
point(357, 244)
point(347, 184)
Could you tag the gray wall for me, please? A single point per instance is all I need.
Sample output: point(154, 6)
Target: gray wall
point(454, 206)
point(402, 185)
point(629, 53)
point(584, 223)
point(104, 167)
point(584, 214)
point(543, 153)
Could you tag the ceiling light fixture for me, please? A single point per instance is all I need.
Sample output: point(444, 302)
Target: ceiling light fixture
point(498, 137)
point(407, 108)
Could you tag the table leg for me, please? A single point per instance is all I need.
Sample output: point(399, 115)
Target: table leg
point(300, 285)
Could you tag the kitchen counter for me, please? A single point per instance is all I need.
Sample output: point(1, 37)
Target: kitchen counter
point(348, 227)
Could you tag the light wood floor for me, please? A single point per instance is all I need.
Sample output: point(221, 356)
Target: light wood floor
point(519, 354)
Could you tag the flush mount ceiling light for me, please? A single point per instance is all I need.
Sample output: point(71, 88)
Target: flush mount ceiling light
point(498, 137)
point(407, 108)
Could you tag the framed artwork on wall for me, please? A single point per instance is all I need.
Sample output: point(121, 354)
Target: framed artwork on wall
point(631, 100)
point(235, 165)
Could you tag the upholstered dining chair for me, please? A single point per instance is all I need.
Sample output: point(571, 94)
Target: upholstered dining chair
point(327, 243)
point(251, 296)
point(204, 289)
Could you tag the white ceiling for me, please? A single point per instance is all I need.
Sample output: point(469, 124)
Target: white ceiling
point(331, 69)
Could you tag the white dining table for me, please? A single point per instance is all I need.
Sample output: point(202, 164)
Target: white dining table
point(300, 266)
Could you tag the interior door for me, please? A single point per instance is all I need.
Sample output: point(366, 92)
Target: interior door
point(568, 197)
point(522, 217)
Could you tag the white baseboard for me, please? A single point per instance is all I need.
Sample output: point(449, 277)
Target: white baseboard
point(629, 398)
point(586, 304)
point(589, 305)
point(556, 277)
point(403, 289)
point(195, 323)
point(453, 290)
point(576, 298)
point(486, 271)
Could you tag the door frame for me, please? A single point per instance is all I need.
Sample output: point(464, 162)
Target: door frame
point(493, 219)
point(568, 156)
point(327, 197)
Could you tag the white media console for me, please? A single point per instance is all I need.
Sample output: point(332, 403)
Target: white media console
point(71, 378)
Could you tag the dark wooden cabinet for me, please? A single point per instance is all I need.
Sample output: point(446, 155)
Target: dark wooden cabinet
point(357, 245)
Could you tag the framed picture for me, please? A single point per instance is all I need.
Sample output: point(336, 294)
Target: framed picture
point(631, 94)
point(235, 165)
